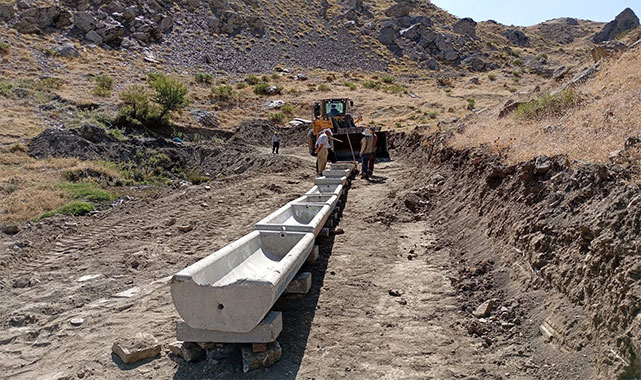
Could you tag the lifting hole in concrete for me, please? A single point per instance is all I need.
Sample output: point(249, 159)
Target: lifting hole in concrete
point(221, 306)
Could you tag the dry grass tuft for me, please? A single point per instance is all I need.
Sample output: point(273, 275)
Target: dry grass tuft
point(609, 113)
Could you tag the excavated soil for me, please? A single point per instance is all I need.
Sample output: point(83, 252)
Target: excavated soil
point(436, 233)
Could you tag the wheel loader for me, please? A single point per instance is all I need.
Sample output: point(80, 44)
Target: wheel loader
point(335, 114)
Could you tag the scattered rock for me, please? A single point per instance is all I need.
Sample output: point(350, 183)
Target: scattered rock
point(607, 49)
point(11, 229)
point(394, 293)
point(484, 309)
point(254, 360)
point(68, 50)
point(77, 321)
point(259, 347)
point(139, 347)
point(204, 205)
point(339, 231)
point(559, 72)
point(190, 352)
point(186, 228)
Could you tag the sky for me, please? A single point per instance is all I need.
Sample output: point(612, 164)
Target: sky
point(525, 13)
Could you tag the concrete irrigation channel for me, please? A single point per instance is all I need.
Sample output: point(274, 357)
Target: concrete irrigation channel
point(227, 297)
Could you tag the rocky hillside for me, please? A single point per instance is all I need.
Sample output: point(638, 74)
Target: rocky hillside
point(256, 35)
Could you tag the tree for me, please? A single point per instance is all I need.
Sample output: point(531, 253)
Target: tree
point(171, 94)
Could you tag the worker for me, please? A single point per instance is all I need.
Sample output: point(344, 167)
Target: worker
point(366, 151)
point(275, 142)
point(322, 146)
point(372, 157)
point(334, 111)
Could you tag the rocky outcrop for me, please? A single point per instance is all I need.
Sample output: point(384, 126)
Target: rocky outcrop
point(466, 27)
point(608, 49)
point(517, 37)
point(42, 19)
point(625, 21)
point(96, 22)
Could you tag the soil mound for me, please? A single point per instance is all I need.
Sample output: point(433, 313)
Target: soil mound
point(259, 132)
point(94, 143)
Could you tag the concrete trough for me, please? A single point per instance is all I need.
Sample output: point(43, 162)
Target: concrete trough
point(328, 199)
point(233, 289)
point(330, 180)
point(344, 166)
point(337, 173)
point(296, 217)
point(334, 189)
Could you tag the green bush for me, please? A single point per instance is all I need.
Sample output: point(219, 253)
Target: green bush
point(323, 87)
point(171, 94)
point(86, 192)
point(287, 109)
point(136, 103)
point(104, 84)
point(52, 82)
point(277, 117)
point(372, 85)
point(350, 85)
point(548, 105)
point(204, 78)
point(252, 80)
point(241, 85)
point(223, 93)
point(196, 178)
point(471, 103)
point(263, 89)
point(432, 114)
point(491, 77)
point(388, 79)
point(4, 48)
point(75, 208)
point(396, 89)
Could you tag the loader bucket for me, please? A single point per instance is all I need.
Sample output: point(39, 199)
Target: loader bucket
point(343, 150)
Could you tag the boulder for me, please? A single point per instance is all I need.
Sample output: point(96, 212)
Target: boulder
point(517, 37)
point(93, 37)
point(466, 26)
point(42, 19)
point(84, 21)
point(387, 35)
point(484, 309)
point(626, 20)
point(7, 11)
point(206, 118)
point(475, 63)
point(399, 10)
point(167, 24)
point(68, 50)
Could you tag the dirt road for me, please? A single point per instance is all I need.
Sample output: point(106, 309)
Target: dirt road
point(381, 306)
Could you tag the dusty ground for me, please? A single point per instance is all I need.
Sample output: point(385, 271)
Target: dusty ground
point(347, 326)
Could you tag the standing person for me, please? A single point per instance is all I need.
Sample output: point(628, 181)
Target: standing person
point(366, 151)
point(275, 142)
point(372, 157)
point(322, 146)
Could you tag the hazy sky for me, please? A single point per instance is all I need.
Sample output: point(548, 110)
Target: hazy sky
point(524, 13)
